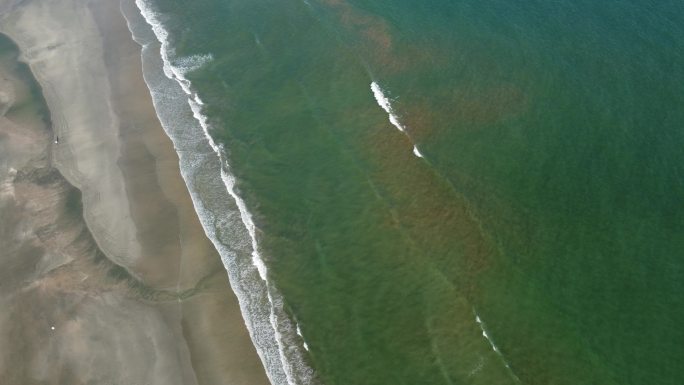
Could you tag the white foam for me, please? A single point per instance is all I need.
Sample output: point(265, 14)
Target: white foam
point(178, 67)
point(384, 102)
point(257, 261)
point(196, 107)
point(299, 333)
point(494, 347)
point(484, 333)
point(287, 371)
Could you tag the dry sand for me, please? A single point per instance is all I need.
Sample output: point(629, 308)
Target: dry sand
point(134, 290)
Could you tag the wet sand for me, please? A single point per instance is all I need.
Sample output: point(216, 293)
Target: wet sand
point(99, 236)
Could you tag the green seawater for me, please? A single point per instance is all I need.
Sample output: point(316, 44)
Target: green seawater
point(549, 204)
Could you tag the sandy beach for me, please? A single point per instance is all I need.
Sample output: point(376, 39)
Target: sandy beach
point(106, 275)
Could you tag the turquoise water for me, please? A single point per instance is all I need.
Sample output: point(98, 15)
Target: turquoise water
point(540, 239)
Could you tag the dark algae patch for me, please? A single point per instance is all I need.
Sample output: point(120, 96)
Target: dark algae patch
point(541, 238)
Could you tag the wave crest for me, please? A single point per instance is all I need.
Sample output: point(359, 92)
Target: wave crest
point(273, 332)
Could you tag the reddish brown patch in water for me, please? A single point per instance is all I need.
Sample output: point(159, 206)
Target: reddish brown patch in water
point(373, 32)
point(375, 40)
point(435, 219)
point(462, 109)
point(432, 214)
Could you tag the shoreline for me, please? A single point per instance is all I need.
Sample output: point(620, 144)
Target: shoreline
point(114, 150)
point(221, 210)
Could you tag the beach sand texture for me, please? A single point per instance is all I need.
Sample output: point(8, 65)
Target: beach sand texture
point(134, 290)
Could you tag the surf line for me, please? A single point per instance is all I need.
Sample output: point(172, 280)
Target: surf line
point(246, 216)
point(295, 372)
point(385, 104)
point(299, 333)
point(494, 347)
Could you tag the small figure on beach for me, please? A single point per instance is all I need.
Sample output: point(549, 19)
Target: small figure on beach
point(56, 139)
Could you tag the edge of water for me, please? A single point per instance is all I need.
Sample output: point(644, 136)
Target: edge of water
point(229, 226)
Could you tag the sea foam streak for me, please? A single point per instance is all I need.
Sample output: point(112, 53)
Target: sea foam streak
point(299, 333)
point(494, 347)
point(229, 226)
point(385, 104)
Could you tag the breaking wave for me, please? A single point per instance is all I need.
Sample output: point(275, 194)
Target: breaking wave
point(494, 347)
point(385, 103)
point(222, 212)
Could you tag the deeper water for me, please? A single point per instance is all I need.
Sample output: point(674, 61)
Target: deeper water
point(541, 238)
